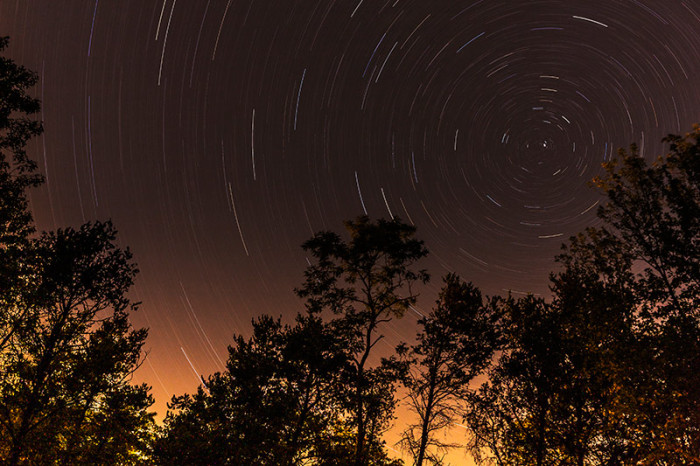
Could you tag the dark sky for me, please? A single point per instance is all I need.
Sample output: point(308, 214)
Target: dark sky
point(220, 134)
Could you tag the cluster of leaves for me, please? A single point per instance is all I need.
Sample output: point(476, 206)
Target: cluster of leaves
point(608, 371)
point(67, 350)
point(271, 406)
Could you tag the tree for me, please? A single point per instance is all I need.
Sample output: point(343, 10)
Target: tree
point(568, 371)
point(366, 281)
point(17, 173)
point(604, 358)
point(339, 448)
point(273, 405)
point(65, 392)
point(456, 344)
point(653, 219)
point(606, 373)
point(653, 213)
point(291, 394)
point(554, 394)
point(509, 415)
point(67, 350)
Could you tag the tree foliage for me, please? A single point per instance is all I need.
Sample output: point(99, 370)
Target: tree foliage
point(653, 215)
point(365, 281)
point(455, 344)
point(607, 372)
point(273, 405)
point(17, 170)
point(67, 350)
point(17, 173)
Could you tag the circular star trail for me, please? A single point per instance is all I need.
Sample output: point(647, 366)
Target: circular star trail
point(220, 134)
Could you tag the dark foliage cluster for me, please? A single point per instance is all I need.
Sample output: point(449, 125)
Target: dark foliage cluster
point(67, 350)
point(606, 372)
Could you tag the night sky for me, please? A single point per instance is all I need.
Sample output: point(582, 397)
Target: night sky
point(218, 135)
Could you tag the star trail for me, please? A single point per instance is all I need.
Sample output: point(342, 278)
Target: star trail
point(220, 134)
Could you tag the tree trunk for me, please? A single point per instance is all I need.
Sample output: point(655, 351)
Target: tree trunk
point(425, 428)
point(359, 394)
point(360, 416)
point(301, 420)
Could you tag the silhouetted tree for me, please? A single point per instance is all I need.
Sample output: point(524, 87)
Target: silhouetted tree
point(67, 350)
point(553, 394)
point(607, 372)
point(509, 416)
point(366, 281)
point(65, 394)
point(340, 446)
point(598, 319)
point(17, 173)
point(456, 344)
point(273, 405)
point(653, 219)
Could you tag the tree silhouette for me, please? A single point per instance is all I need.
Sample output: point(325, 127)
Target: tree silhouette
point(273, 405)
point(653, 220)
point(456, 343)
point(67, 350)
point(607, 372)
point(366, 281)
point(554, 394)
point(306, 394)
point(17, 173)
point(509, 416)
